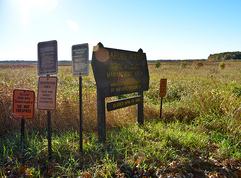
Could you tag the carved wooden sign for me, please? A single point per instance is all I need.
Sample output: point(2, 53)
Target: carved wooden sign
point(118, 71)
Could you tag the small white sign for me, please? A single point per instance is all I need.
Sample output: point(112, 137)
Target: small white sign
point(47, 89)
point(80, 60)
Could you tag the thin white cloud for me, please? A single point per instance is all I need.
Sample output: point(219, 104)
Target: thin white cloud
point(73, 25)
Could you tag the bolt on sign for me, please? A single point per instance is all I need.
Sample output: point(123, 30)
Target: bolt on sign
point(80, 60)
point(23, 104)
point(47, 89)
point(163, 87)
point(118, 71)
point(47, 58)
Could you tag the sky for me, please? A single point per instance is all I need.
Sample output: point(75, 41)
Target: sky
point(164, 29)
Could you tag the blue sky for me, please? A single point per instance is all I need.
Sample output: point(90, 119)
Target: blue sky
point(164, 29)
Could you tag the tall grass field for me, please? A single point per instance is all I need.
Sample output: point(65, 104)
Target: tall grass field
point(198, 135)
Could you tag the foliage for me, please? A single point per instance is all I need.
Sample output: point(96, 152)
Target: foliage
point(197, 64)
point(183, 64)
point(157, 64)
point(225, 56)
point(222, 65)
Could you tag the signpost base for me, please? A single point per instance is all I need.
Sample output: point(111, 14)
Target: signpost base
point(161, 108)
point(22, 129)
point(80, 116)
point(49, 134)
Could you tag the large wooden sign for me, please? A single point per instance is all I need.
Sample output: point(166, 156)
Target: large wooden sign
point(118, 71)
point(23, 104)
point(47, 89)
point(47, 58)
point(80, 60)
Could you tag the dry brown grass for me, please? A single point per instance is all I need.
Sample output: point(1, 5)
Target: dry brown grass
point(182, 84)
point(66, 115)
point(17, 66)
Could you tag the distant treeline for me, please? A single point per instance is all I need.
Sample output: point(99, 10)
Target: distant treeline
point(18, 61)
point(160, 60)
point(22, 61)
point(176, 60)
point(225, 56)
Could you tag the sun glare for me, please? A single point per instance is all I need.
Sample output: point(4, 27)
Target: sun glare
point(28, 6)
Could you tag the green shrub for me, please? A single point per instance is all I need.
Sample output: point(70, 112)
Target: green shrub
point(222, 65)
point(183, 64)
point(197, 64)
point(157, 65)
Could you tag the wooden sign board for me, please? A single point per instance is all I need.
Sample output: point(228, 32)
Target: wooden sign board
point(119, 72)
point(113, 105)
point(23, 104)
point(80, 60)
point(47, 89)
point(47, 58)
point(163, 87)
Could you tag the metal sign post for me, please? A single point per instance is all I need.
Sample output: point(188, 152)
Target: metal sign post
point(49, 134)
point(47, 89)
point(80, 67)
point(163, 86)
point(47, 86)
point(80, 117)
point(22, 129)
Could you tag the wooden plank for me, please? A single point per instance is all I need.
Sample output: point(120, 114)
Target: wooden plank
point(113, 105)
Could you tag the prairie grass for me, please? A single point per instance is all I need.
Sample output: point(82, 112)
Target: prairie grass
point(200, 121)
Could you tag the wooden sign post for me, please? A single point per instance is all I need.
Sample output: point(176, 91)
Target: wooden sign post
point(118, 72)
point(80, 67)
point(47, 65)
point(163, 86)
point(23, 107)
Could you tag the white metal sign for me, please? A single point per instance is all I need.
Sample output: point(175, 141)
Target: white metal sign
point(47, 89)
point(80, 60)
